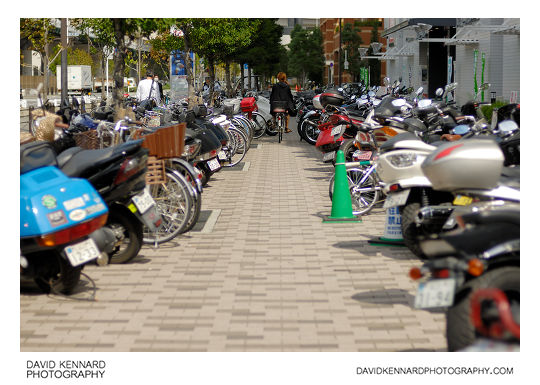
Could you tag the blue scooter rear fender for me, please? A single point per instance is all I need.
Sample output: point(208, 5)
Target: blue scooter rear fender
point(50, 201)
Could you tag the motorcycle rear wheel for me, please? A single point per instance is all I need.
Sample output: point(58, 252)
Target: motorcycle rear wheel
point(60, 276)
point(121, 220)
point(460, 331)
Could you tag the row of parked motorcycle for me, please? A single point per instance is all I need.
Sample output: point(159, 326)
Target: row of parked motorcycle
point(92, 191)
point(454, 176)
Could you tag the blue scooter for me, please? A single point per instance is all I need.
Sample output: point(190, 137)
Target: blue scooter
point(62, 220)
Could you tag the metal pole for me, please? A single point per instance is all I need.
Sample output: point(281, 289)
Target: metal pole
point(63, 59)
point(339, 60)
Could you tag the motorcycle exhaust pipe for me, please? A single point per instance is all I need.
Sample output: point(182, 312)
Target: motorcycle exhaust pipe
point(433, 215)
point(105, 240)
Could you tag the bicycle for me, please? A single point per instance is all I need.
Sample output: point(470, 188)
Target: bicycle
point(280, 117)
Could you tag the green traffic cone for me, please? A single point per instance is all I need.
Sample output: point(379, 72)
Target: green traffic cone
point(341, 198)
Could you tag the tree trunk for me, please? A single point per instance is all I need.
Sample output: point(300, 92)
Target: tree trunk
point(228, 78)
point(119, 62)
point(192, 98)
point(103, 67)
point(212, 73)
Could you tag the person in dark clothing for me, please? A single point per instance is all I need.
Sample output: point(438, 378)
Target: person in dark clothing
point(281, 92)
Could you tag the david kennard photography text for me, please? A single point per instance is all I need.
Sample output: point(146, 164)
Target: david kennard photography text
point(65, 369)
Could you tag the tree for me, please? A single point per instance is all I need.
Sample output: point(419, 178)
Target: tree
point(99, 34)
point(217, 39)
point(38, 34)
point(306, 57)
point(265, 51)
point(125, 31)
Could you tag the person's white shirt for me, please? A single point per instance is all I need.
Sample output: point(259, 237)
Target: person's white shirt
point(143, 90)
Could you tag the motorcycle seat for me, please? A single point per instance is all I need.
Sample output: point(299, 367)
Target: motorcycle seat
point(66, 155)
point(493, 216)
point(77, 162)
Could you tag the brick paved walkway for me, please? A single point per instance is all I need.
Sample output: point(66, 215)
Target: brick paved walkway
point(268, 276)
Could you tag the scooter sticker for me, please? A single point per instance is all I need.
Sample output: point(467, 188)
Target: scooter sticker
point(57, 218)
point(77, 215)
point(49, 201)
point(74, 203)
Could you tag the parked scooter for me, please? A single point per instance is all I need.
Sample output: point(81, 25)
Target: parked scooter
point(62, 222)
point(118, 173)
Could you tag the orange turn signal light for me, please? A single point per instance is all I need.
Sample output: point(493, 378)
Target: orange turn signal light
point(415, 273)
point(476, 267)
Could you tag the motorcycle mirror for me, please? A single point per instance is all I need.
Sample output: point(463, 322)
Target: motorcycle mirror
point(507, 126)
point(424, 103)
point(462, 129)
point(386, 81)
point(420, 91)
point(439, 92)
point(371, 94)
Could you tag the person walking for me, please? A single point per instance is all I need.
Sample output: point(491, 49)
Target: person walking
point(148, 89)
point(281, 94)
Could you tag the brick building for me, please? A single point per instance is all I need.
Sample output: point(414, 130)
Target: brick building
point(331, 37)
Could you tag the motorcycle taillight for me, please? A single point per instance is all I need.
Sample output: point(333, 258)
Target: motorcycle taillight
point(72, 233)
point(129, 167)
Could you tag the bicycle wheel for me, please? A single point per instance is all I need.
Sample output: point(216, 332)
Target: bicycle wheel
point(191, 186)
point(237, 147)
point(174, 204)
point(245, 126)
point(363, 195)
point(260, 125)
point(279, 119)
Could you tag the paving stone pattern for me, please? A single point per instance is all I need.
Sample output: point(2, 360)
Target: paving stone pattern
point(269, 276)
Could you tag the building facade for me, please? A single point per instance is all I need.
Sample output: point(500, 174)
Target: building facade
point(330, 29)
point(434, 52)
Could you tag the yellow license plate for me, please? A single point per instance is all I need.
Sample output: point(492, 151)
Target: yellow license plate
point(462, 200)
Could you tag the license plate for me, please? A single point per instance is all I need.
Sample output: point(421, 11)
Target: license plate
point(462, 200)
point(435, 293)
point(336, 130)
point(329, 156)
point(82, 252)
point(143, 201)
point(222, 155)
point(362, 155)
point(396, 199)
point(213, 164)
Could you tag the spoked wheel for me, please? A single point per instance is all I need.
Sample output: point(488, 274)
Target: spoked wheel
point(271, 128)
point(279, 123)
point(174, 204)
point(364, 195)
point(260, 125)
point(237, 147)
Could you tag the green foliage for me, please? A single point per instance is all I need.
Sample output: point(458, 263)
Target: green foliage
point(265, 51)
point(74, 56)
point(351, 40)
point(487, 109)
point(306, 58)
point(35, 34)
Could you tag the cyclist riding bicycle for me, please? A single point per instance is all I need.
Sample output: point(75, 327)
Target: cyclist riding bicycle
point(281, 96)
